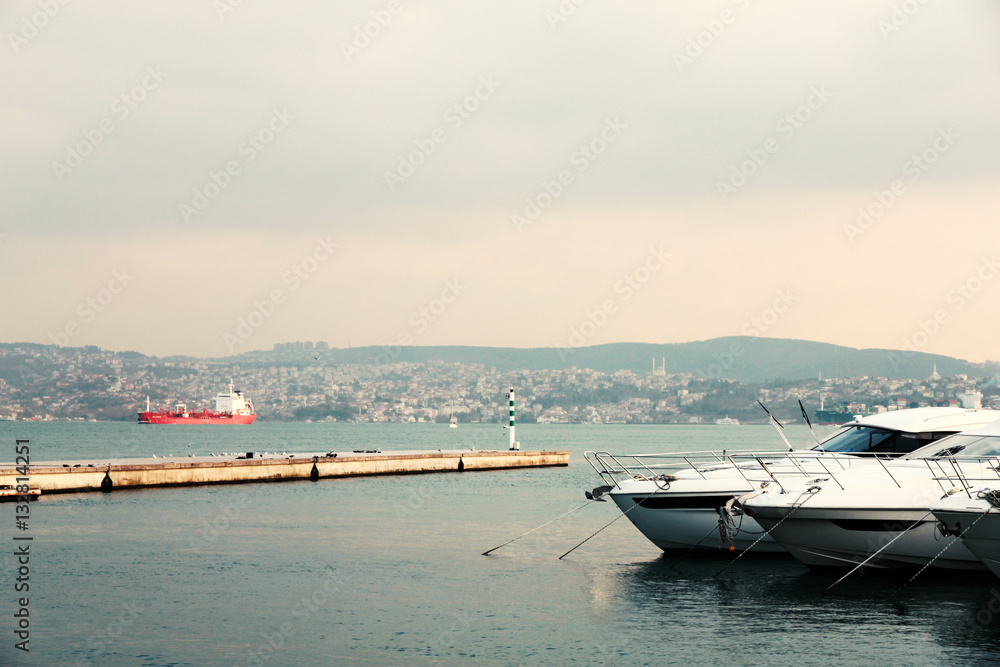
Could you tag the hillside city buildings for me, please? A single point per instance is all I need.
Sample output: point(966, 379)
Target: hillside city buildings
point(39, 382)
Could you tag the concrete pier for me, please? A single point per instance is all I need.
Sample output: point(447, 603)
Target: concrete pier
point(82, 476)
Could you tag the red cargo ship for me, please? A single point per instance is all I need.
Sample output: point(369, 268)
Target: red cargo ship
point(230, 408)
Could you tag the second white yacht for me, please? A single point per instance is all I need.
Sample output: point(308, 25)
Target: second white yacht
point(881, 514)
point(974, 516)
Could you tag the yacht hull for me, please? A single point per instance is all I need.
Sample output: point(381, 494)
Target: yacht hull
point(843, 538)
point(980, 534)
point(681, 528)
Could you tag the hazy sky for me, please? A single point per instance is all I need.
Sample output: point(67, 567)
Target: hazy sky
point(201, 177)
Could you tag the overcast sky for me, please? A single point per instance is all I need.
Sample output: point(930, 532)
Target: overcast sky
point(201, 177)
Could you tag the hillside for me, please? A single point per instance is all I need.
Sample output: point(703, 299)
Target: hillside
point(743, 358)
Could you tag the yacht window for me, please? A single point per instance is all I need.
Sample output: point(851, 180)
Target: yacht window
point(960, 445)
point(858, 439)
point(908, 442)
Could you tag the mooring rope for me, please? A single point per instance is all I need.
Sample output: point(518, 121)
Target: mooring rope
point(811, 491)
point(880, 550)
point(658, 488)
point(696, 545)
point(589, 502)
point(993, 498)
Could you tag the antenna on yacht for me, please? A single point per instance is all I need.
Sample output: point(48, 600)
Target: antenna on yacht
point(777, 425)
point(805, 416)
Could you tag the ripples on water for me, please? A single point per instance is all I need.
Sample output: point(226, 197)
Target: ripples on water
point(388, 570)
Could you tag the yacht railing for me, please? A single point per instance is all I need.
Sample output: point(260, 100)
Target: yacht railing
point(799, 465)
point(780, 467)
point(958, 470)
point(611, 467)
point(958, 475)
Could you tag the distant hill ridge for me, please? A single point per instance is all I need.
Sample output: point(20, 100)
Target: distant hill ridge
point(743, 358)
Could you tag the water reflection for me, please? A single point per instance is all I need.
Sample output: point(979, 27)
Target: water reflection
point(777, 606)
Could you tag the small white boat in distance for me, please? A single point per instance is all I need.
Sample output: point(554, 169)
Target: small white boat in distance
point(727, 421)
point(453, 423)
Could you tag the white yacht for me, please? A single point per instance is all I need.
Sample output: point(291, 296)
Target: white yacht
point(727, 421)
point(974, 516)
point(881, 513)
point(682, 500)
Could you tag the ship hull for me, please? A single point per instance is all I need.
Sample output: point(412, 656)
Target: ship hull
point(194, 418)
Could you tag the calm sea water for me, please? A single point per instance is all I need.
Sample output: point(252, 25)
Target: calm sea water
point(388, 570)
